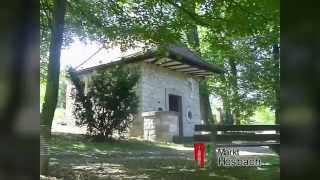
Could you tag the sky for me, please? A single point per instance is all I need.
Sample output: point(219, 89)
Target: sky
point(78, 52)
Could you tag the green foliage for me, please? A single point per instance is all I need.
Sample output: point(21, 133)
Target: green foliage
point(251, 77)
point(251, 70)
point(45, 32)
point(263, 115)
point(62, 89)
point(237, 35)
point(110, 103)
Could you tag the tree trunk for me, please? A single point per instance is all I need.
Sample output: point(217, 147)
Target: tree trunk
point(52, 86)
point(227, 116)
point(235, 94)
point(276, 55)
point(194, 42)
point(205, 107)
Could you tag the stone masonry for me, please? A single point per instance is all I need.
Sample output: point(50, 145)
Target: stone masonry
point(153, 89)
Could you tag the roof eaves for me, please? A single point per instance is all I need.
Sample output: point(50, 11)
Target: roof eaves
point(188, 57)
point(139, 56)
point(184, 55)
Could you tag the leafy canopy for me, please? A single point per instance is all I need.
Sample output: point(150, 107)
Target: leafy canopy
point(237, 35)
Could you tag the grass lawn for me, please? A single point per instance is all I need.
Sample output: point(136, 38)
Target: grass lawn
point(74, 157)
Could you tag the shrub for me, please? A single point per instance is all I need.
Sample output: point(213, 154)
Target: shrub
point(110, 103)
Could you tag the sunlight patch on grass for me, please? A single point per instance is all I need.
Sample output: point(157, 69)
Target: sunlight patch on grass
point(79, 146)
point(212, 174)
point(175, 146)
point(261, 169)
point(187, 170)
point(168, 167)
point(106, 168)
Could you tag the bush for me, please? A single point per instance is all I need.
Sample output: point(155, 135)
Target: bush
point(110, 103)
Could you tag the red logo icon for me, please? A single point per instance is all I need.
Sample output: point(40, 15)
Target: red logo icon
point(199, 149)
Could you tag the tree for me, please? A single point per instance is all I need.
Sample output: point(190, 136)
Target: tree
point(60, 20)
point(193, 41)
point(126, 22)
point(242, 47)
point(250, 74)
point(52, 86)
point(276, 79)
point(237, 37)
point(109, 104)
point(45, 33)
point(226, 23)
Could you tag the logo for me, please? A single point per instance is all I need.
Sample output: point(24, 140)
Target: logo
point(199, 151)
point(230, 157)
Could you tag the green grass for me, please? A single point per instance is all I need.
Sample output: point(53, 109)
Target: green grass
point(75, 157)
point(81, 144)
point(263, 115)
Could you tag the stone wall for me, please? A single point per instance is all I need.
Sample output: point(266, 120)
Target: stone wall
point(160, 126)
point(153, 88)
point(158, 82)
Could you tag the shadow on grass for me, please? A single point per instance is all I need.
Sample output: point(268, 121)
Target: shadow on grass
point(75, 157)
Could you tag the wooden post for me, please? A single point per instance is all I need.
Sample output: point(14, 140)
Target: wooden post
point(44, 150)
point(214, 154)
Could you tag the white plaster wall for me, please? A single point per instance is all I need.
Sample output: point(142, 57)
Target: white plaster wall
point(69, 103)
point(153, 89)
point(160, 126)
point(157, 83)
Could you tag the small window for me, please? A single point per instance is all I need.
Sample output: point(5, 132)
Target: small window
point(189, 115)
point(174, 103)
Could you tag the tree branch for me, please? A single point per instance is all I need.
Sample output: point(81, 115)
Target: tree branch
point(195, 17)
